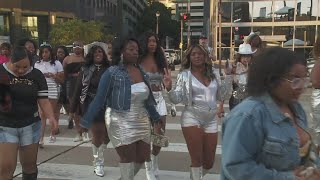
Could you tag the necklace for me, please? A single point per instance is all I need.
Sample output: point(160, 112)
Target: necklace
point(98, 66)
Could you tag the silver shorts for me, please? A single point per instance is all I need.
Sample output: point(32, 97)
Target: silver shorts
point(161, 103)
point(23, 136)
point(202, 117)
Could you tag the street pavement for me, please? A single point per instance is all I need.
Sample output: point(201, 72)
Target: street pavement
point(66, 160)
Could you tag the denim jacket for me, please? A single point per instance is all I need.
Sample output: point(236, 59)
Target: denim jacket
point(182, 91)
point(114, 91)
point(260, 142)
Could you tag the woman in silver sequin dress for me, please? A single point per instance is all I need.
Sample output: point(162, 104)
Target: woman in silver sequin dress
point(154, 62)
point(126, 94)
point(198, 88)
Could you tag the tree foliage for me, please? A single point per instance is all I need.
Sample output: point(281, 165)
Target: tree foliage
point(167, 26)
point(69, 31)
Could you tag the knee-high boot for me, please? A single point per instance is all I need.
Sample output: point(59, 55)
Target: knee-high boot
point(127, 171)
point(155, 165)
point(204, 172)
point(137, 167)
point(98, 159)
point(196, 173)
point(149, 171)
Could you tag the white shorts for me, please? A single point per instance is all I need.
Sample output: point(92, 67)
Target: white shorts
point(202, 117)
point(161, 103)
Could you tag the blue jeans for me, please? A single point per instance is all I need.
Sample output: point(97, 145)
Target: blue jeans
point(23, 136)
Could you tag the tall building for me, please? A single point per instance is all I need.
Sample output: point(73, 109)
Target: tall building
point(129, 13)
point(19, 18)
point(199, 15)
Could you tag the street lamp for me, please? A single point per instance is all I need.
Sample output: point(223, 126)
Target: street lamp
point(157, 15)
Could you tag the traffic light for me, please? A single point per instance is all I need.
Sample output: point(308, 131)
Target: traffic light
point(186, 16)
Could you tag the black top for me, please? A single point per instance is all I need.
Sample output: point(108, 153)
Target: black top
point(92, 89)
point(24, 91)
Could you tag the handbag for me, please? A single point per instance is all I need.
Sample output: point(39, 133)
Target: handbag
point(240, 92)
point(159, 139)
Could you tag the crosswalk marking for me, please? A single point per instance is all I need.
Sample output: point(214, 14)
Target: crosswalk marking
point(173, 147)
point(85, 172)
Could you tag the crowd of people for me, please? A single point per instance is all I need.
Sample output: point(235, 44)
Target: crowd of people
point(118, 96)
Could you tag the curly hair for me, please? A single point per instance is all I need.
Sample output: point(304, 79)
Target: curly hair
point(269, 67)
point(159, 55)
point(90, 57)
point(22, 42)
point(119, 46)
point(51, 58)
point(186, 62)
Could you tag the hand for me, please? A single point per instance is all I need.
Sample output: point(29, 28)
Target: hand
point(298, 172)
point(315, 175)
point(167, 79)
point(160, 127)
point(47, 75)
point(220, 113)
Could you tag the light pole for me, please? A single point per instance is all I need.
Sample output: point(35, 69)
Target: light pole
point(157, 15)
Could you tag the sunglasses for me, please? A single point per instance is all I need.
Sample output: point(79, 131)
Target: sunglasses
point(77, 46)
point(298, 83)
point(45, 45)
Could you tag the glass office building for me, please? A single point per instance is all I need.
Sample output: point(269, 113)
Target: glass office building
point(292, 24)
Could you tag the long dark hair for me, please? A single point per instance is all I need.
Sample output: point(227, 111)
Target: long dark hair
point(186, 62)
point(159, 56)
point(42, 47)
point(119, 46)
point(268, 69)
point(22, 42)
point(65, 50)
point(90, 57)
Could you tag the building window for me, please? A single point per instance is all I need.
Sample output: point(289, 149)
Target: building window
point(30, 26)
point(4, 25)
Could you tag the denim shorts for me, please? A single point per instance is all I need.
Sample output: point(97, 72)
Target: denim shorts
point(23, 136)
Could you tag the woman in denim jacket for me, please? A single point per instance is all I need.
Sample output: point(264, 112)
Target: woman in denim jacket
point(125, 93)
point(265, 137)
point(198, 87)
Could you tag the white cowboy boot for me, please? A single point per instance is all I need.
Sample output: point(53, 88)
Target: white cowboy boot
point(155, 165)
point(149, 171)
point(196, 173)
point(204, 172)
point(127, 171)
point(98, 162)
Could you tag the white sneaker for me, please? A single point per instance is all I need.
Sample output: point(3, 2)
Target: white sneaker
point(86, 137)
point(78, 138)
point(99, 170)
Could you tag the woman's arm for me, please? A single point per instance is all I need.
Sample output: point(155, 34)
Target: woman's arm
point(104, 89)
point(175, 94)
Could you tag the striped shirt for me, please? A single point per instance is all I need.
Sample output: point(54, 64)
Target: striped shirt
point(46, 67)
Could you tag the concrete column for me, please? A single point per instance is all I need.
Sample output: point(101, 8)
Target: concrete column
point(16, 27)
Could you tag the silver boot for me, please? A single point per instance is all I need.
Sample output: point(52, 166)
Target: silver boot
point(155, 165)
point(204, 172)
point(149, 171)
point(98, 161)
point(127, 171)
point(196, 173)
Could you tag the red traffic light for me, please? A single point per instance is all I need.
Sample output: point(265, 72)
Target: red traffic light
point(185, 16)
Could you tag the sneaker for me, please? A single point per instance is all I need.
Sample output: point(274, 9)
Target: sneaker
point(86, 137)
point(78, 138)
point(70, 125)
point(99, 170)
point(52, 139)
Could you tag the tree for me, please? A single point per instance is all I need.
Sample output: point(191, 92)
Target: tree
point(69, 31)
point(167, 26)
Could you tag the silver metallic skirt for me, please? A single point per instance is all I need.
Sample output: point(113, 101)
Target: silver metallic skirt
point(125, 128)
point(161, 103)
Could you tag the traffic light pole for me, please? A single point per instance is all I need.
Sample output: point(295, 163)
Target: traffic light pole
point(181, 40)
point(188, 12)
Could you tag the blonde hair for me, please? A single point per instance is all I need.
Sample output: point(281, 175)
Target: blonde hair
point(186, 62)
